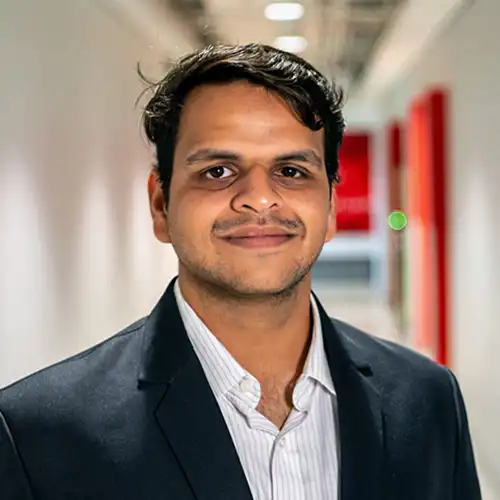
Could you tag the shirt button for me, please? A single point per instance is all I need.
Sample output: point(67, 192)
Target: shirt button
point(282, 443)
point(246, 385)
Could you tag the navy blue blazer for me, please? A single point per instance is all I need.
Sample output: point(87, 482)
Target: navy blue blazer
point(134, 418)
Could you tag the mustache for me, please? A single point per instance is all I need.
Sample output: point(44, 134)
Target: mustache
point(267, 220)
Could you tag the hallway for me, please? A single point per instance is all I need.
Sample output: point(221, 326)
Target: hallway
point(78, 257)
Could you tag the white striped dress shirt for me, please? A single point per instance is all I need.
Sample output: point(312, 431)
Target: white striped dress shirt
point(298, 462)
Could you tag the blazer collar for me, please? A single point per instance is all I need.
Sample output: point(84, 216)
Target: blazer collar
point(186, 410)
point(361, 421)
point(191, 421)
point(164, 354)
point(166, 349)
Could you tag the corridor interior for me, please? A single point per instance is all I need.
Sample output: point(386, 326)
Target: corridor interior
point(78, 252)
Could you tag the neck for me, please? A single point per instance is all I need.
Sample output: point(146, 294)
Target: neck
point(264, 334)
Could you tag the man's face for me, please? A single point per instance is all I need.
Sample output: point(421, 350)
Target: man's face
point(249, 206)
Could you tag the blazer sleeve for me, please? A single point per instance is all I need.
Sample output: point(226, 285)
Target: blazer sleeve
point(466, 482)
point(14, 484)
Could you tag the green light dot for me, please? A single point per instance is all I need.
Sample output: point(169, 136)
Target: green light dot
point(397, 220)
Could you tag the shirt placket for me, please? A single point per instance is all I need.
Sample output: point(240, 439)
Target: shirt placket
point(286, 470)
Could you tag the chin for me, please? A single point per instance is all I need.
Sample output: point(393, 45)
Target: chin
point(262, 284)
point(245, 280)
point(258, 289)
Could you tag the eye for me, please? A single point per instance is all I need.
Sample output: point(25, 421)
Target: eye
point(292, 172)
point(218, 172)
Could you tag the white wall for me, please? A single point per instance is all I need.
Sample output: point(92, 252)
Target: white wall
point(78, 259)
point(466, 58)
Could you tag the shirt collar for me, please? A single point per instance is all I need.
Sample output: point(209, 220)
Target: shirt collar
point(316, 365)
point(223, 372)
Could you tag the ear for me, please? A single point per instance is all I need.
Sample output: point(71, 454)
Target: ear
point(157, 207)
point(332, 216)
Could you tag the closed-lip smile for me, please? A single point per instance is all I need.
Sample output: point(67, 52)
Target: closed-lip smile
point(258, 236)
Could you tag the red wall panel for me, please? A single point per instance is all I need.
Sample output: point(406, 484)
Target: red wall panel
point(353, 193)
point(427, 165)
point(437, 111)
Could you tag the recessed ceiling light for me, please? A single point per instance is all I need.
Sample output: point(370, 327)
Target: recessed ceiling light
point(293, 44)
point(284, 11)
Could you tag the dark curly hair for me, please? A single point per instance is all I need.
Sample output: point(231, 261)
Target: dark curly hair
point(316, 102)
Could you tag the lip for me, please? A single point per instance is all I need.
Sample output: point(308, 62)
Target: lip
point(258, 237)
point(257, 232)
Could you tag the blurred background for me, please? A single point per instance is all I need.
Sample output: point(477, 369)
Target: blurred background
point(78, 259)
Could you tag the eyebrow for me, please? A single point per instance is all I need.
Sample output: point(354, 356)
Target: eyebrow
point(302, 156)
point(210, 154)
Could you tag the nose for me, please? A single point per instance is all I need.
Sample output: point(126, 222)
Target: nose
point(256, 193)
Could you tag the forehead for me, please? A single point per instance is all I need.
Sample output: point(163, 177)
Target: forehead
point(242, 115)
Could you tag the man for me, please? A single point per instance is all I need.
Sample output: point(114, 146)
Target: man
point(238, 385)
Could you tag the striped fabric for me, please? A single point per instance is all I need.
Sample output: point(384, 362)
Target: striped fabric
point(298, 462)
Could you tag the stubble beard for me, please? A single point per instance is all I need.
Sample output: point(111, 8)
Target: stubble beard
point(223, 283)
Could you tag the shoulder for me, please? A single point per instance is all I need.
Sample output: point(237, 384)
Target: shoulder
point(77, 376)
point(411, 385)
point(392, 364)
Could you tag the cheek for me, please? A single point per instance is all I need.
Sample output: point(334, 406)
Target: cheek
point(316, 216)
point(190, 217)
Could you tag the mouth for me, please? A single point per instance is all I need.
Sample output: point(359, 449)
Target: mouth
point(262, 241)
point(258, 237)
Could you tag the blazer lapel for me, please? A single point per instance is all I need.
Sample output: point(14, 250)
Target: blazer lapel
point(360, 418)
point(188, 414)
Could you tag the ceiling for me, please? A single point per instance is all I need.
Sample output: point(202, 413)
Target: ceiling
point(367, 46)
point(341, 34)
